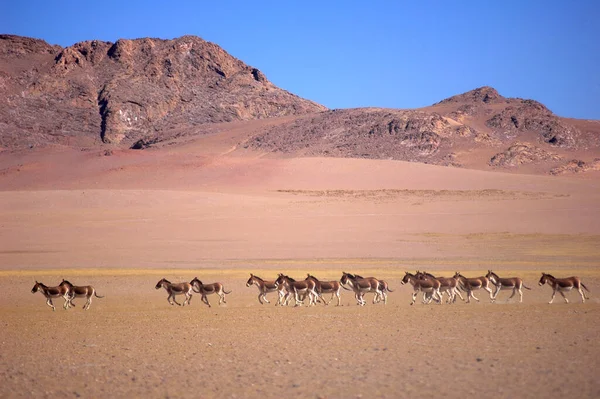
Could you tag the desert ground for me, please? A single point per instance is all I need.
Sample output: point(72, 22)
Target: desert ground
point(121, 221)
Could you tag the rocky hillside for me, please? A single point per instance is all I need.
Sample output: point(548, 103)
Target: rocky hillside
point(149, 92)
point(144, 89)
point(512, 131)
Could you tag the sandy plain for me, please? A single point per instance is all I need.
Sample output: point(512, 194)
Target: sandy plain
point(212, 210)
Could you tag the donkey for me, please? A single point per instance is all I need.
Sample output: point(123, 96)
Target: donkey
point(85, 291)
point(264, 287)
point(383, 287)
point(52, 292)
point(176, 289)
point(208, 289)
point(471, 284)
point(510, 283)
point(326, 287)
point(305, 288)
point(564, 285)
point(448, 285)
point(361, 286)
point(284, 294)
point(426, 285)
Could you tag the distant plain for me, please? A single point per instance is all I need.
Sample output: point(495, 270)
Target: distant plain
point(209, 209)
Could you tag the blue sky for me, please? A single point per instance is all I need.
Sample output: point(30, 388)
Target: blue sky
point(342, 54)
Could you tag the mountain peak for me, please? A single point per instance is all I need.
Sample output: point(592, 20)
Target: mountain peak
point(485, 94)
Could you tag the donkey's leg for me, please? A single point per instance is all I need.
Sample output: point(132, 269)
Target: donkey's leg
point(265, 297)
point(582, 295)
point(414, 297)
point(520, 296)
point(287, 298)
point(513, 294)
point(377, 296)
point(563, 295)
point(426, 298)
point(489, 290)
point(457, 292)
point(49, 303)
point(496, 292)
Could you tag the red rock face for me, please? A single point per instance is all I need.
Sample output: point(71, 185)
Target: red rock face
point(122, 92)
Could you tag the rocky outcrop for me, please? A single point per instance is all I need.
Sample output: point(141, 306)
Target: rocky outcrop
point(529, 115)
point(522, 153)
point(370, 133)
point(506, 119)
point(576, 166)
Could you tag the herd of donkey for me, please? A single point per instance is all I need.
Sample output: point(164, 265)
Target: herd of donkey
point(312, 290)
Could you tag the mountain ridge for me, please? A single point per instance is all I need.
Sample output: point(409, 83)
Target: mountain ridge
point(130, 89)
point(140, 93)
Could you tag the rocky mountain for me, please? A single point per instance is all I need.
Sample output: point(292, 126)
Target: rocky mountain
point(151, 92)
point(143, 89)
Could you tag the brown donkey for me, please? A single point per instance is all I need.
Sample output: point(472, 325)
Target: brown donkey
point(176, 289)
point(52, 292)
point(84, 291)
point(383, 287)
point(361, 286)
point(563, 285)
point(472, 284)
point(208, 289)
point(326, 287)
point(448, 285)
point(264, 287)
point(509, 283)
point(428, 285)
point(298, 288)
